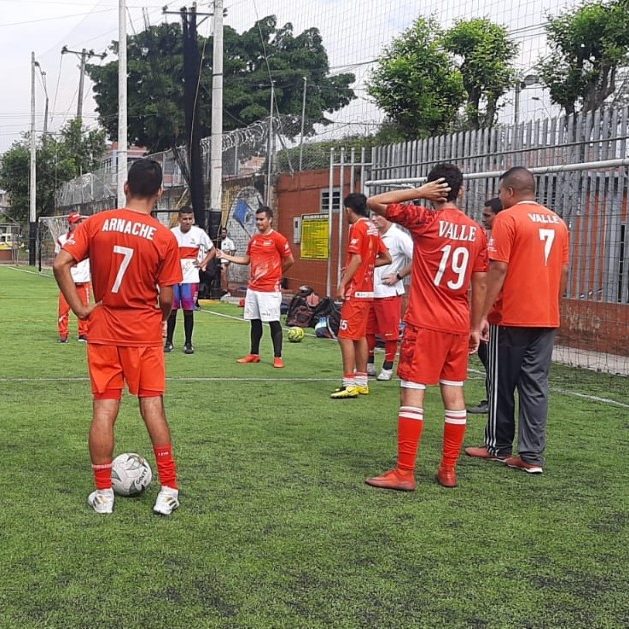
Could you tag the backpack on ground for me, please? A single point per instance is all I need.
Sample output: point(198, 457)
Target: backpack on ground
point(302, 308)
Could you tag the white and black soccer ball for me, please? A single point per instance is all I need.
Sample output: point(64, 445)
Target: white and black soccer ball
point(130, 474)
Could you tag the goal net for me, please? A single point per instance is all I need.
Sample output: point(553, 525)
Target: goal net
point(49, 230)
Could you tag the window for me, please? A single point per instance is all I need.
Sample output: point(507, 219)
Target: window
point(325, 200)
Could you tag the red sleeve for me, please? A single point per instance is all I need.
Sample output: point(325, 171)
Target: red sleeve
point(566, 248)
point(413, 217)
point(170, 271)
point(357, 238)
point(502, 237)
point(481, 264)
point(248, 252)
point(78, 244)
point(283, 247)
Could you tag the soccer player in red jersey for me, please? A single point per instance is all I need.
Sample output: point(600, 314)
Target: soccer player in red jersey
point(365, 251)
point(528, 253)
point(449, 255)
point(270, 256)
point(134, 264)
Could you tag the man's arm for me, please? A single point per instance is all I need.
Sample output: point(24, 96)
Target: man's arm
point(495, 280)
point(210, 254)
point(235, 259)
point(350, 271)
point(394, 278)
point(287, 262)
point(165, 301)
point(61, 270)
point(431, 191)
point(479, 295)
point(383, 258)
point(563, 283)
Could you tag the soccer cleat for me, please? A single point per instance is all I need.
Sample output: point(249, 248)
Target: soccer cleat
point(342, 393)
point(517, 463)
point(63, 339)
point(101, 500)
point(188, 349)
point(385, 375)
point(483, 453)
point(82, 338)
point(446, 476)
point(402, 480)
point(278, 363)
point(363, 389)
point(168, 347)
point(371, 370)
point(167, 501)
point(249, 358)
point(482, 408)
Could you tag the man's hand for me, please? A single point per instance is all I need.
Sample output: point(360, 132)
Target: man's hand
point(390, 280)
point(474, 341)
point(86, 311)
point(164, 329)
point(434, 191)
point(484, 331)
point(340, 292)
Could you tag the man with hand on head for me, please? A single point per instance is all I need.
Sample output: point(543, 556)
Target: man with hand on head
point(449, 256)
point(135, 264)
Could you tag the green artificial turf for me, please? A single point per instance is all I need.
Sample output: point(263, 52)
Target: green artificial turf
point(276, 527)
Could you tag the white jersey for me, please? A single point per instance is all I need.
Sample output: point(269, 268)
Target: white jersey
point(400, 246)
point(81, 271)
point(227, 246)
point(193, 247)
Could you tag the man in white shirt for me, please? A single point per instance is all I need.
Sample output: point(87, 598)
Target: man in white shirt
point(195, 251)
point(81, 277)
point(228, 247)
point(385, 313)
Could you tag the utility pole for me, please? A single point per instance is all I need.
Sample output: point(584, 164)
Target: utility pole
point(191, 78)
point(121, 156)
point(43, 82)
point(84, 55)
point(216, 144)
point(32, 216)
point(303, 123)
point(270, 148)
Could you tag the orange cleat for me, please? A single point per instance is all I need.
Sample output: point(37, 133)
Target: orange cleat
point(402, 480)
point(446, 476)
point(517, 463)
point(249, 358)
point(483, 452)
point(278, 363)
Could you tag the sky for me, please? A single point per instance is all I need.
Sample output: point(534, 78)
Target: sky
point(354, 33)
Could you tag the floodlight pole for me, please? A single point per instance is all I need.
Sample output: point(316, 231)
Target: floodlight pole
point(216, 143)
point(121, 158)
point(32, 216)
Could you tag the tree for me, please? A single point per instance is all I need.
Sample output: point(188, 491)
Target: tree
point(588, 45)
point(155, 98)
point(416, 82)
point(486, 66)
point(59, 159)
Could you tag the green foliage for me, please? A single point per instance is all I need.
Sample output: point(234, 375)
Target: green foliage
point(487, 55)
point(155, 99)
point(416, 82)
point(59, 158)
point(276, 527)
point(588, 45)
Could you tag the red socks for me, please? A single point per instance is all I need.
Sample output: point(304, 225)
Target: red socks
point(166, 468)
point(453, 433)
point(409, 432)
point(102, 475)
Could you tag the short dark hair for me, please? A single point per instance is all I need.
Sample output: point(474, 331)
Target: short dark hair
point(266, 209)
point(144, 178)
point(357, 203)
point(519, 178)
point(494, 204)
point(453, 176)
point(186, 209)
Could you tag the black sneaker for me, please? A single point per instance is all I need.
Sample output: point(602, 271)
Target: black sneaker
point(82, 338)
point(188, 349)
point(481, 409)
point(168, 347)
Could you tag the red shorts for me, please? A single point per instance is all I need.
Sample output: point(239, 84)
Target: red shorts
point(384, 318)
point(432, 357)
point(354, 313)
point(142, 368)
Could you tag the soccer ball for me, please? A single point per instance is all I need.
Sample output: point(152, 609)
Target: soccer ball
point(296, 335)
point(130, 474)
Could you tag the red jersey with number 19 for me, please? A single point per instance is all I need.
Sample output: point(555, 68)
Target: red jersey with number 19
point(448, 247)
point(131, 254)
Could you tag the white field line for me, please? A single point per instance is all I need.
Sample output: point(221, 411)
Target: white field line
point(481, 374)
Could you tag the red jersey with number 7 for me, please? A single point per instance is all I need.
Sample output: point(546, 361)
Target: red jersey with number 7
point(534, 242)
point(448, 247)
point(131, 255)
